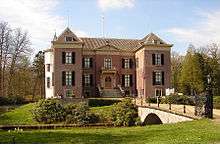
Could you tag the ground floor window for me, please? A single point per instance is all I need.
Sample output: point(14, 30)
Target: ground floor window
point(48, 82)
point(69, 93)
point(127, 80)
point(87, 79)
point(158, 92)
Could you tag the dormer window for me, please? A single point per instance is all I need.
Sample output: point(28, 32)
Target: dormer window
point(68, 39)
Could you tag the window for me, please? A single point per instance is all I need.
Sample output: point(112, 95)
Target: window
point(108, 63)
point(48, 67)
point(68, 78)
point(68, 39)
point(69, 93)
point(68, 58)
point(48, 82)
point(158, 92)
point(157, 59)
point(158, 78)
point(87, 79)
point(87, 62)
point(127, 63)
point(127, 80)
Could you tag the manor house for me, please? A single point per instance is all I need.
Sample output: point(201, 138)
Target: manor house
point(82, 67)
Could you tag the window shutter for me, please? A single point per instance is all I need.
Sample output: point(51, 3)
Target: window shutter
point(91, 80)
point(130, 63)
point(73, 57)
point(83, 80)
point(123, 63)
point(131, 81)
point(63, 78)
point(91, 62)
point(73, 78)
point(162, 59)
point(162, 78)
point(154, 78)
point(123, 80)
point(153, 59)
point(83, 62)
point(63, 57)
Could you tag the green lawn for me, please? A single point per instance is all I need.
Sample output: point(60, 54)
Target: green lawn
point(20, 115)
point(201, 131)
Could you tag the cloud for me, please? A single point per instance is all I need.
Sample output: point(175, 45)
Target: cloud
point(205, 31)
point(37, 17)
point(115, 4)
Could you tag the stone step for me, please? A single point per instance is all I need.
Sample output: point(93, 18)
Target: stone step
point(111, 93)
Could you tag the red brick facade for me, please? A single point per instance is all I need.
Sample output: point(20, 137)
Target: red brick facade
point(109, 64)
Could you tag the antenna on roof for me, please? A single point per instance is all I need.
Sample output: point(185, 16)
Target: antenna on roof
point(103, 25)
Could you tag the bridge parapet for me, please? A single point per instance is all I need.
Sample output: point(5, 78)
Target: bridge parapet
point(164, 116)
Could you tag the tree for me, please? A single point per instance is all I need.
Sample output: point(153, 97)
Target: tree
point(193, 73)
point(38, 69)
point(176, 66)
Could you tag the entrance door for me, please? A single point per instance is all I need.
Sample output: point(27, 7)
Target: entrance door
point(108, 82)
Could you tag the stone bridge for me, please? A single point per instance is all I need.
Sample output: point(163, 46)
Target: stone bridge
point(151, 115)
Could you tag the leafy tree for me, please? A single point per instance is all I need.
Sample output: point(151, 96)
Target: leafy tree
point(192, 77)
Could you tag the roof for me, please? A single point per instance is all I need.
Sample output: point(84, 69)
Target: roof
point(122, 44)
point(131, 45)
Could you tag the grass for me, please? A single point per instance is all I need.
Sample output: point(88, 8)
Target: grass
point(20, 115)
point(197, 132)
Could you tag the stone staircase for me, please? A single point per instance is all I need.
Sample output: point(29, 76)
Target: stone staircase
point(113, 93)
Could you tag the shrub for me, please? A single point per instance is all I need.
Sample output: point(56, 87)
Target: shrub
point(80, 114)
point(151, 100)
point(102, 102)
point(11, 100)
point(216, 102)
point(124, 113)
point(178, 99)
point(49, 111)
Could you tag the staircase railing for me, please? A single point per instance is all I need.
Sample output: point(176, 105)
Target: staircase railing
point(121, 90)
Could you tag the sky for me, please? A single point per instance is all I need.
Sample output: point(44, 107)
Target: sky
point(180, 22)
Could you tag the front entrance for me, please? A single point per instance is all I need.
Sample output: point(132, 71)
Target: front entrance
point(108, 82)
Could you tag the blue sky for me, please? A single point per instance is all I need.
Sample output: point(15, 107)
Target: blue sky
point(176, 21)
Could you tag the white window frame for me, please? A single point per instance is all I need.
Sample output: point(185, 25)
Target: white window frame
point(161, 92)
point(87, 62)
point(127, 80)
point(68, 78)
point(87, 79)
point(158, 77)
point(127, 63)
point(157, 59)
point(108, 63)
point(68, 57)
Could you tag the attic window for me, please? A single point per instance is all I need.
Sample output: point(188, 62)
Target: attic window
point(68, 39)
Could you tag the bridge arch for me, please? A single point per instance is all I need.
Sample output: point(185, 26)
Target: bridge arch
point(152, 118)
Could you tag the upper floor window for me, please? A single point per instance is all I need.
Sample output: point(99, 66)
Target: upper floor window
point(48, 67)
point(68, 39)
point(87, 62)
point(68, 78)
point(108, 63)
point(127, 63)
point(158, 59)
point(68, 57)
point(158, 78)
